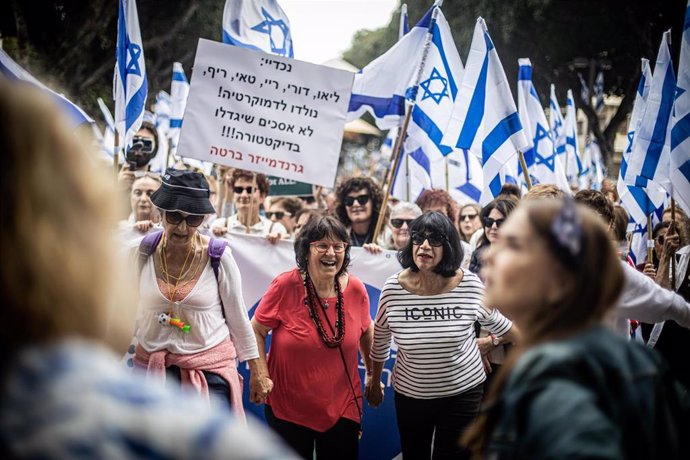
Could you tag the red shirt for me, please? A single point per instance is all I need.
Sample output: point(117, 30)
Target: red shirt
point(310, 382)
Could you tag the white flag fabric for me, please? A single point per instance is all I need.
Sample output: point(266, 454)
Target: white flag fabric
point(108, 135)
point(540, 155)
point(381, 87)
point(413, 175)
point(556, 125)
point(573, 162)
point(592, 173)
point(584, 89)
point(680, 124)
point(599, 92)
point(260, 25)
point(485, 119)
point(649, 160)
point(131, 86)
point(13, 71)
point(179, 90)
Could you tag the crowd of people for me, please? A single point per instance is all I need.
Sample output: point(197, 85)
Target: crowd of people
point(517, 324)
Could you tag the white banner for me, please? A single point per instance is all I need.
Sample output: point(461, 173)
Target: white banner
point(260, 262)
point(265, 113)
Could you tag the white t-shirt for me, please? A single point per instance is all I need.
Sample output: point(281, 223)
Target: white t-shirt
point(261, 228)
point(201, 309)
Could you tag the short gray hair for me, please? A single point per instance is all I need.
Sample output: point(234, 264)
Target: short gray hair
point(405, 207)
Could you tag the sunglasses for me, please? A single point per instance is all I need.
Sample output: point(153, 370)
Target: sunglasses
point(434, 239)
point(398, 223)
point(322, 247)
point(361, 199)
point(468, 216)
point(175, 217)
point(279, 214)
point(308, 199)
point(489, 222)
point(152, 175)
point(239, 190)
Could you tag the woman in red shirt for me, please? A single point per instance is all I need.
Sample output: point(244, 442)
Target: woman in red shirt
point(319, 315)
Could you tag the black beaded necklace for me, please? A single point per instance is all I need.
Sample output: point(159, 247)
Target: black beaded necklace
point(312, 300)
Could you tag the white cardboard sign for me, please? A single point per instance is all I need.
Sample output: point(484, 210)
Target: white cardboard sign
point(265, 113)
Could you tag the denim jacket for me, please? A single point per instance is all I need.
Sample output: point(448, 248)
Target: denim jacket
point(591, 396)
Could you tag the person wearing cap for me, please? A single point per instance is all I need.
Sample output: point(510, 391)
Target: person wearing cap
point(193, 326)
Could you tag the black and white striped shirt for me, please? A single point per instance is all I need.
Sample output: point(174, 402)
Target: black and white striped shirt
point(437, 351)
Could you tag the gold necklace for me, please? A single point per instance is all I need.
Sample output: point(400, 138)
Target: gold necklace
point(172, 292)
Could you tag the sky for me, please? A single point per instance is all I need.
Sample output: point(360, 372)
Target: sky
point(323, 29)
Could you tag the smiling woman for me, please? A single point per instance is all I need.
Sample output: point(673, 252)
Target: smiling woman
point(319, 315)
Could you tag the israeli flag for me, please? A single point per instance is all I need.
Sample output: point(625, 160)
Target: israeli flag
point(404, 26)
point(381, 87)
point(413, 175)
point(649, 160)
point(599, 92)
point(592, 173)
point(485, 120)
point(680, 124)
point(556, 124)
point(638, 201)
point(13, 71)
point(573, 162)
point(179, 90)
point(584, 89)
point(543, 163)
point(108, 136)
point(131, 87)
point(260, 25)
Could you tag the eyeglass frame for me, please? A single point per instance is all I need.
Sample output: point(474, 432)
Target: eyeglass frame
point(183, 218)
point(402, 221)
point(330, 245)
point(349, 201)
point(428, 237)
point(498, 222)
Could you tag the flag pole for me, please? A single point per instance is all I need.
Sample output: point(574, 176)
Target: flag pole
point(407, 178)
point(116, 154)
point(445, 158)
point(650, 241)
point(523, 163)
point(403, 131)
point(251, 204)
point(673, 257)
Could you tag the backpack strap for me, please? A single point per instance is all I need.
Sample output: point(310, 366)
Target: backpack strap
point(216, 247)
point(147, 247)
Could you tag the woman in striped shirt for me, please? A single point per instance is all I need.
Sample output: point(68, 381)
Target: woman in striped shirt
point(429, 308)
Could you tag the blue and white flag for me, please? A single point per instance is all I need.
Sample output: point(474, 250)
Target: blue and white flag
point(382, 86)
point(13, 71)
point(592, 174)
point(260, 25)
point(179, 90)
point(404, 26)
point(584, 89)
point(485, 119)
point(556, 125)
point(680, 124)
point(638, 201)
point(573, 161)
point(108, 136)
point(413, 175)
point(130, 84)
point(540, 155)
point(649, 160)
point(599, 92)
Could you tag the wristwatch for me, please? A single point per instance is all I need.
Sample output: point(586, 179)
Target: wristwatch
point(495, 340)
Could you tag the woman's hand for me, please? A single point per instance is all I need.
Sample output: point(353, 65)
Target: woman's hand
point(485, 345)
point(372, 248)
point(260, 385)
point(144, 225)
point(649, 270)
point(487, 364)
point(273, 238)
point(219, 231)
point(125, 178)
point(373, 391)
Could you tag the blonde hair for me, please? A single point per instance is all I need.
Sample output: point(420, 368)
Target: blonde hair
point(58, 215)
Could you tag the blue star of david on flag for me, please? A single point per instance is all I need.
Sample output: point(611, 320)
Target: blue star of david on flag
point(542, 133)
point(134, 52)
point(435, 87)
point(277, 31)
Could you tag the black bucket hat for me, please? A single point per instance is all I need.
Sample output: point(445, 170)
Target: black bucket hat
point(184, 191)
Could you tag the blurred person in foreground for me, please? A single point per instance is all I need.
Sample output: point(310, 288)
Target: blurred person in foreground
point(63, 392)
point(573, 389)
point(319, 317)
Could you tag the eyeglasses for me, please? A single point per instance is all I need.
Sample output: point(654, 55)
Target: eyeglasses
point(322, 247)
point(468, 216)
point(175, 218)
point(152, 175)
point(398, 223)
point(361, 199)
point(489, 222)
point(434, 239)
point(239, 190)
point(279, 214)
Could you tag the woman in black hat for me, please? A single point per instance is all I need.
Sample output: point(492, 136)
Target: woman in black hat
point(192, 324)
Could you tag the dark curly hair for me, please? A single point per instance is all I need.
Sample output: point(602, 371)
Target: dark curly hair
point(261, 180)
point(596, 201)
point(435, 222)
point(436, 197)
point(317, 229)
point(359, 183)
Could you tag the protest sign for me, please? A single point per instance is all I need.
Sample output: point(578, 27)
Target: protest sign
point(265, 113)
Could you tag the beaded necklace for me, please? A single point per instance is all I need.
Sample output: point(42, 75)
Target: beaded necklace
point(312, 299)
